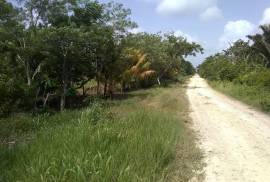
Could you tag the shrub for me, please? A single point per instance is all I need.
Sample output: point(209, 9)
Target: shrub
point(256, 78)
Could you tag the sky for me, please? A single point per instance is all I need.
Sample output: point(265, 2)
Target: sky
point(212, 23)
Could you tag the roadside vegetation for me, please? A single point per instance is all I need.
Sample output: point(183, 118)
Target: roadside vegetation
point(243, 70)
point(144, 137)
point(84, 99)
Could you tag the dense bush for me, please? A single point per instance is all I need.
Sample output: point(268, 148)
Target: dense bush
point(241, 71)
point(256, 78)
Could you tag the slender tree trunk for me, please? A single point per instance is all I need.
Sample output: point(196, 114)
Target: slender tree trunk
point(37, 93)
point(63, 97)
point(98, 86)
point(64, 85)
point(26, 64)
point(97, 78)
point(46, 100)
point(105, 88)
point(27, 69)
point(110, 89)
point(123, 86)
point(158, 80)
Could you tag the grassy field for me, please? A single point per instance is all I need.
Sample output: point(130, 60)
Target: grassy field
point(258, 97)
point(143, 137)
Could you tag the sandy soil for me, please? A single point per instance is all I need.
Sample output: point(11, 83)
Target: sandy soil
point(234, 137)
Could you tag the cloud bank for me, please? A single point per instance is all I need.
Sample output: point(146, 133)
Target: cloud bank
point(211, 14)
point(239, 29)
point(189, 37)
point(206, 10)
point(266, 17)
point(235, 30)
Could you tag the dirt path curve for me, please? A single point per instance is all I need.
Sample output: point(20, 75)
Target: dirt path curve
point(234, 137)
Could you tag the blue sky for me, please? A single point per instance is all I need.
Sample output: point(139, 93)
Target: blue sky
point(213, 23)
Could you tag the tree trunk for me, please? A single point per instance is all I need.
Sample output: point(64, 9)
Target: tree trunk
point(97, 78)
point(158, 80)
point(27, 69)
point(64, 85)
point(105, 88)
point(123, 87)
point(110, 89)
point(63, 97)
point(37, 93)
point(98, 87)
point(46, 100)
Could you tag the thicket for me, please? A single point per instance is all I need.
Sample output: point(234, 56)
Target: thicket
point(245, 67)
point(50, 50)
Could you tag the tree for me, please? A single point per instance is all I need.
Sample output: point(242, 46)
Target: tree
point(187, 68)
point(164, 52)
point(261, 43)
point(117, 22)
point(137, 67)
point(177, 49)
point(11, 75)
point(69, 62)
point(55, 47)
point(46, 13)
point(239, 51)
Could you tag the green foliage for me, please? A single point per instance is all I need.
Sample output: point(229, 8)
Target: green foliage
point(187, 68)
point(242, 70)
point(56, 47)
point(256, 96)
point(256, 78)
point(261, 44)
point(165, 53)
point(220, 67)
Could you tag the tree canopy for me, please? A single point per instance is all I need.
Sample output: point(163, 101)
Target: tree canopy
point(51, 49)
point(243, 62)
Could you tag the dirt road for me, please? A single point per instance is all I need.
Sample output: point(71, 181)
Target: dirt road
point(234, 137)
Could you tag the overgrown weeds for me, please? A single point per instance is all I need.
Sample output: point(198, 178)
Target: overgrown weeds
point(257, 96)
point(137, 139)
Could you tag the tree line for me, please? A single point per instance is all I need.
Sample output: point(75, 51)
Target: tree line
point(244, 62)
point(50, 49)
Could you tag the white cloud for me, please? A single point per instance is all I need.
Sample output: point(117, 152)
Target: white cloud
point(235, 30)
point(266, 17)
point(184, 7)
point(239, 29)
point(211, 14)
point(136, 30)
point(189, 38)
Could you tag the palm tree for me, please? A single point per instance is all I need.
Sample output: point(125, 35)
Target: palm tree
point(262, 43)
point(139, 68)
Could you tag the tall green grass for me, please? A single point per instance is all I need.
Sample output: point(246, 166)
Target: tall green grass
point(136, 148)
point(142, 138)
point(257, 96)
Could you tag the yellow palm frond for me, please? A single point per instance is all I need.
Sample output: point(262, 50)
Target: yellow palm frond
point(146, 74)
point(140, 68)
